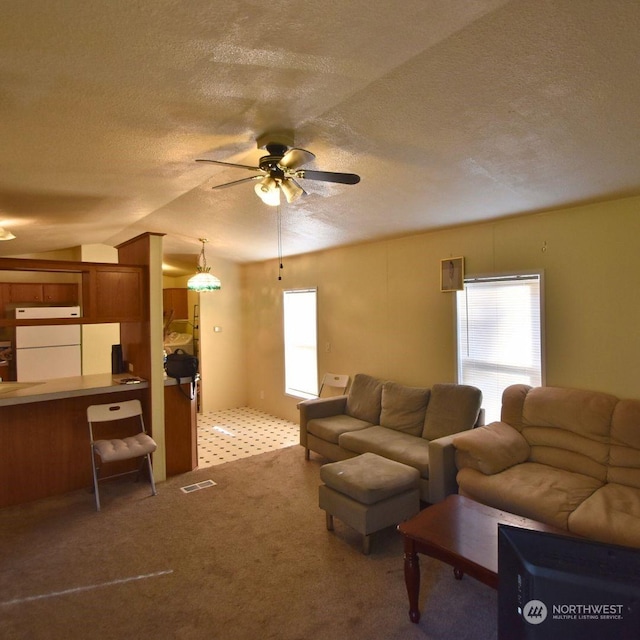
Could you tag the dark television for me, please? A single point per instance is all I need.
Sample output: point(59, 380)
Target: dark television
point(554, 587)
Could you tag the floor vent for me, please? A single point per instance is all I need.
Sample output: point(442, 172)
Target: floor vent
point(190, 488)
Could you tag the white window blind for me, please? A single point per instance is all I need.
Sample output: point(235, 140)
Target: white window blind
point(300, 342)
point(500, 335)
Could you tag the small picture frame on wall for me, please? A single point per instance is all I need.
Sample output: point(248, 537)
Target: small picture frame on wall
point(452, 274)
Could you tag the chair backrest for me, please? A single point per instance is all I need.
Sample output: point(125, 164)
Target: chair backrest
point(336, 381)
point(115, 411)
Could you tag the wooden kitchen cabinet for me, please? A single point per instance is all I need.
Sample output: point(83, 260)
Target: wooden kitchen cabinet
point(25, 292)
point(53, 292)
point(180, 429)
point(60, 293)
point(118, 295)
point(107, 292)
point(176, 300)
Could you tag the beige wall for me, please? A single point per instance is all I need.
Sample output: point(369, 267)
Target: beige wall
point(381, 311)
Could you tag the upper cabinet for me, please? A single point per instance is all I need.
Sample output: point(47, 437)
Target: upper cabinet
point(117, 295)
point(46, 292)
point(24, 292)
point(175, 300)
point(61, 293)
point(107, 293)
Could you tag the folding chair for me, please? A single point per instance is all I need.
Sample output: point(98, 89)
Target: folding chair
point(339, 382)
point(140, 445)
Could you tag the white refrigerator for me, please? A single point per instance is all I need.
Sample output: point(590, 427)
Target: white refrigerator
point(51, 351)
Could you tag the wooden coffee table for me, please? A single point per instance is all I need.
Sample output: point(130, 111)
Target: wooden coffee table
point(462, 533)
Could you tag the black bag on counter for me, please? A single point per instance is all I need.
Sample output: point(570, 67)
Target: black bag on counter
point(182, 365)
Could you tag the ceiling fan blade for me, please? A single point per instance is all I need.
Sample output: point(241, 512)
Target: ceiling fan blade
point(328, 176)
point(304, 193)
point(230, 184)
point(295, 158)
point(229, 164)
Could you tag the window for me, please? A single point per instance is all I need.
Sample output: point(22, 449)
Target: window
point(300, 342)
point(499, 333)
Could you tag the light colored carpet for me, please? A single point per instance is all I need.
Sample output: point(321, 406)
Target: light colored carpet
point(249, 558)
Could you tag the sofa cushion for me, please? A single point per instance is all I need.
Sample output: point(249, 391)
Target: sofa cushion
point(586, 413)
point(569, 428)
point(391, 444)
point(531, 490)
point(491, 448)
point(624, 451)
point(452, 408)
point(364, 400)
point(611, 514)
point(403, 408)
point(331, 428)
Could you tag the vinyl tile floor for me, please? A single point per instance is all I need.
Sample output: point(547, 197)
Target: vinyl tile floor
point(232, 434)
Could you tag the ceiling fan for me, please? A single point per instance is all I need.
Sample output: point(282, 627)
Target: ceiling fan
point(280, 170)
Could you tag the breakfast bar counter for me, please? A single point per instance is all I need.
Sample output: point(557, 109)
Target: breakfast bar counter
point(12, 393)
point(44, 436)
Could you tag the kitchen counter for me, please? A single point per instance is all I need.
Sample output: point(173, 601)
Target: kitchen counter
point(28, 392)
point(44, 437)
point(65, 388)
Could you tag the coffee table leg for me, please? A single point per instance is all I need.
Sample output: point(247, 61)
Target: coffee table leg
point(412, 578)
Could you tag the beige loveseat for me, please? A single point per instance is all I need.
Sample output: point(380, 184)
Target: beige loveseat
point(566, 457)
point(410, 425)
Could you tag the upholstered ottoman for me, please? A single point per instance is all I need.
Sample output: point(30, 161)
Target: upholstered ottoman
point(369, 493)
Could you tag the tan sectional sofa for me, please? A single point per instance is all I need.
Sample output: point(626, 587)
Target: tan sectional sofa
point(411, 425)
point(566, 457)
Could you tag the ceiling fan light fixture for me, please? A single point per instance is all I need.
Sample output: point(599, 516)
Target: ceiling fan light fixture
point(281, 168)
point(291, 190)
point(266, 185)
point(203, 280)
point(268, 191)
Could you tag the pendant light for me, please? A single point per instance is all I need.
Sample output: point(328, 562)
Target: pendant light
point(203, 280)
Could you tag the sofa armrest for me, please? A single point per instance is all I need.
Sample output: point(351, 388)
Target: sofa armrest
point(321, 408)
point(318, 408)
point(442, 464)
point(490, 449)
point(442, 468)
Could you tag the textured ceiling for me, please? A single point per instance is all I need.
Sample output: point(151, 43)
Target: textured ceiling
point(451, 112)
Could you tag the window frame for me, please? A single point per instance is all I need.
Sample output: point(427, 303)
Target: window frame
point(504, 276)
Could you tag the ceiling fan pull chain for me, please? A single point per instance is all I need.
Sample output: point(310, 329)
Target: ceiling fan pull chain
point(280, 265)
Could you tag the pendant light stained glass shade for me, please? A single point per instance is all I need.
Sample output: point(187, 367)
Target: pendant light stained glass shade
point(203, 280)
